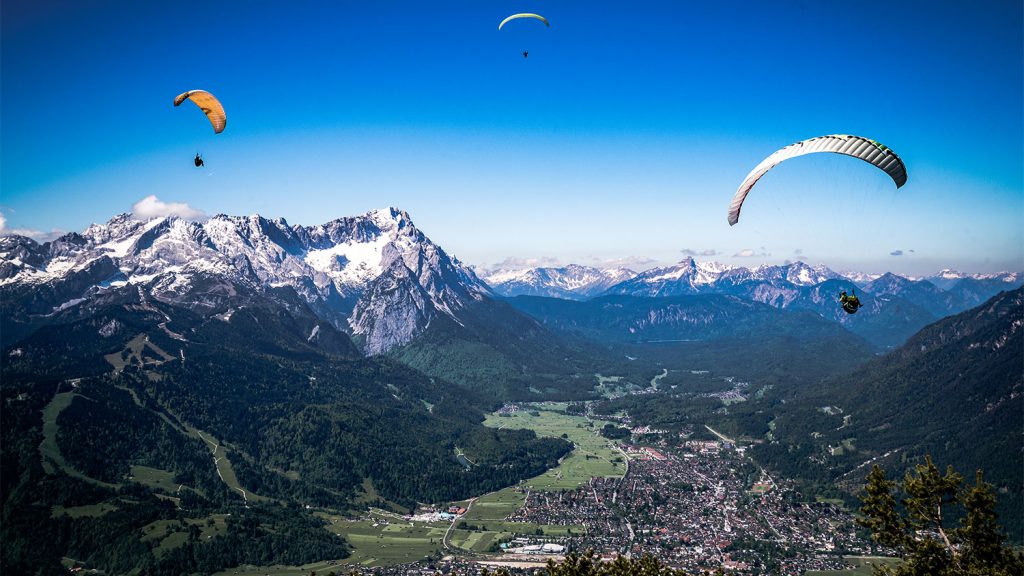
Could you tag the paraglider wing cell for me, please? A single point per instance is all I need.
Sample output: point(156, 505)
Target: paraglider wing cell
point(867, 150)
point(208, 104)
point(524, 15)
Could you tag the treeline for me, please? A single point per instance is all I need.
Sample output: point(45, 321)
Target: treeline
point(300, 429)
point(35, 535)
point(335, 425)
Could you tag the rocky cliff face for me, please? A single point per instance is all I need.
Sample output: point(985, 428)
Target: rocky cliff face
point(375, 276)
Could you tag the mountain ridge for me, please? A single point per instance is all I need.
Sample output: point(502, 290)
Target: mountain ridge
point(360, 273)
point(571, 282)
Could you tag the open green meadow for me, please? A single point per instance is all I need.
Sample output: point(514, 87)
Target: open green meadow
point(89, 510)
point(137, 351)
point(495, 506)
point(48, 448)
point(155, 478)
point(169, 534)
point(386, 539)
point(489, 533)
point(594, 455)
point(49, 451)
point(859, 566)
point(222, 461)
point(380, 540)
point(324, 567)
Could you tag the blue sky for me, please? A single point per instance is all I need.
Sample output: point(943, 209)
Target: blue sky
point(620, 139)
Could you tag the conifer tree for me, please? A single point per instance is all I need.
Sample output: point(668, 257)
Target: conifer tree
point(921, 528)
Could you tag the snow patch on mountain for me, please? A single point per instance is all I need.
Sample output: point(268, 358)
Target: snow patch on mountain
point(570, 282)
point(375, 275)
point(686, 277)
point(350, 263)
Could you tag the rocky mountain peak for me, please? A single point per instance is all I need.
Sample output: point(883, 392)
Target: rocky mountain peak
point(573, 281)
point(376, 269)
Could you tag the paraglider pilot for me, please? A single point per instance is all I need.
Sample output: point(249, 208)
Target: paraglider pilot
point(850, 303)
point(198, 160)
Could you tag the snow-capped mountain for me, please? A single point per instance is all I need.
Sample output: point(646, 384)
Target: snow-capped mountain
point(572, 282)
point(894, 306)
point(375, 276)
point(946, 279)
point(895, 285)
point(686, 277)
point(859, 278)
point(692, 277)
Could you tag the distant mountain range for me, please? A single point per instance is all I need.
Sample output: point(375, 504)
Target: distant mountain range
point(895, 307)
point(575, 282)
point(572, 282)
point(700, 317)
point(379, 280)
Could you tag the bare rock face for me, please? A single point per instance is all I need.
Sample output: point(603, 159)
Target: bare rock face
point(374, 275)
point(392, 311)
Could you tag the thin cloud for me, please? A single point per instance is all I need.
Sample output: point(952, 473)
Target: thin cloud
point(751, 253)
point(708, 252)
point(514, 263)
point(37, 235)
point(635, 263)
point(152, 207)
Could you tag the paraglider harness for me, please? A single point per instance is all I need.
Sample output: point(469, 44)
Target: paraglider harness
point(198, 160)
point(850, 303)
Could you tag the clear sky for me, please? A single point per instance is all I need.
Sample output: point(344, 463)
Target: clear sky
point(621, 138)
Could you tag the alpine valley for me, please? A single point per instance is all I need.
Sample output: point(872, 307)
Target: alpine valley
point(192, 397)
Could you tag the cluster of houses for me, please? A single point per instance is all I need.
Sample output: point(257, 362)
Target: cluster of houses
point(701, 506)
point(642, 453)
point(646, 430)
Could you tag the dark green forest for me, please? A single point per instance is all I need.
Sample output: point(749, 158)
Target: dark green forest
point(301, 426)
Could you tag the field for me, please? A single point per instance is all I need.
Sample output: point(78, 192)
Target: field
point(495, 506)
point(89, 510)
point(49, 451)
point(491, 532)
point(169, 534)
point(220, 453)
point(613, 386)
point(317, 567)
point(48, 448)
point(386, 539)
point(594, 454)
point(860, 566)
point(135, 352)
point(155, 478)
